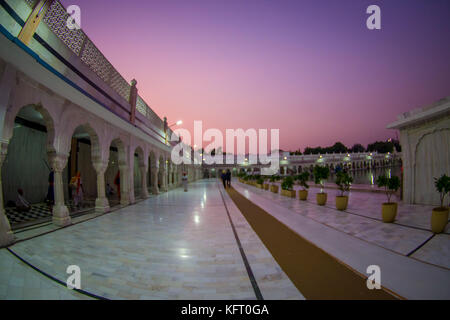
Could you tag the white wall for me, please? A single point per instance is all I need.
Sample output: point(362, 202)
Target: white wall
point(25, 165)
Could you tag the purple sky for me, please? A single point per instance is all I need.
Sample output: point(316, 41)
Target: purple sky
point(310, 68)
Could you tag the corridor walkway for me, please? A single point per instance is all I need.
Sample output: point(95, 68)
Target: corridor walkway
point(177, 245)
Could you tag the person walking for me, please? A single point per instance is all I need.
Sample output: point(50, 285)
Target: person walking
point(228, 178)
point(77, 190)
point(184, 179)
point(223, 176)
point(117, 183)
point(50, 199)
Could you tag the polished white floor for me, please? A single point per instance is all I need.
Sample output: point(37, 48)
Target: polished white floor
point(177, 245)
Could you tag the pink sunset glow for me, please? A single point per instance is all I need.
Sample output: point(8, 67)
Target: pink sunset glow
point(309, 68)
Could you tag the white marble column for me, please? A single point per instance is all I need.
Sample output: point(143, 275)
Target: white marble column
point(61, 215)
point(124, 184)
point(144, 193)
point(154, 170)
point(6, 235)
point(101, 203)
point(163, 168)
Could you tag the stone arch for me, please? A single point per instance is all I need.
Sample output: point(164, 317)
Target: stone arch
point(26, 164)
point(24, 95)
point(88, 126)
point(140, 155)
point(81, 161)
point(46, 116)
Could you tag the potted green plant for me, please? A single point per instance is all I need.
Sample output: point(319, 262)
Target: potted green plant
point(259, 182)
point(302, 179)
point(390, 185)
point(274, 186)
point(344, 181)
point(439, 215)
point(321, 173)
point(265, 185)
point(287, 187)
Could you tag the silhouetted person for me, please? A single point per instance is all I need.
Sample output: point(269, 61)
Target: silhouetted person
point(223, 176)
point(50, 192)
point(184, 179)
point(228, 178)
point(109, 190)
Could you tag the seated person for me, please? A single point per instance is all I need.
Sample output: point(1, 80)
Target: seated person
point(22, 205)
point(109, 190)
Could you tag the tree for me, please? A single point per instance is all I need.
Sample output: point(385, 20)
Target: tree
point(397, 145)
point(338, 147)
point(320, 174)
point(443, 187)
point(381, 147)
point(390, 185)
point(357, 148)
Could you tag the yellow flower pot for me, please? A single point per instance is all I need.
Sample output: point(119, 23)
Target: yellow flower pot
point(439, 219)
point(288, 193)
point(259, 185)
point(321, 198)
point(341, 202)
point(274, 188)
point(266, 186)
point(303, 194)
point(389, 211)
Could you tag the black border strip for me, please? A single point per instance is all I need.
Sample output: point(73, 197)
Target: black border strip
point(424, 243)
point(255, 286)
point(53, 278)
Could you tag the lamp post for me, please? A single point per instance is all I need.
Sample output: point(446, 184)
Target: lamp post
point(166, 127)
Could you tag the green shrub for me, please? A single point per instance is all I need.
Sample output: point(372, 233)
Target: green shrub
point(390, 185)
point(321, 173)
point(275, 178)
point(260, 180)
point(344, 181)
point(287, 183)
point(443, 187)
point(302, 179)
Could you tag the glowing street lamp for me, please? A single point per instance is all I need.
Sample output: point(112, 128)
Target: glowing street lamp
point(179, 122)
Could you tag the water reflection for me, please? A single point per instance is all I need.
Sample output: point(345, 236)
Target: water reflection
point(369, 176)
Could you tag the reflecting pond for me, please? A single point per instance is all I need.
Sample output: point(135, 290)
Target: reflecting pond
point(369, 176)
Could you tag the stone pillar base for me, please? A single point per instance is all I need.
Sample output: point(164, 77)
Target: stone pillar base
point(61, 216)
point(102, 205)
point(6, 238)
point(124, 202)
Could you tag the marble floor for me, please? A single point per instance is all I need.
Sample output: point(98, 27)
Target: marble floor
point(362, 219)
point(181, 245)
point(177, 245)
point(414, 262)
